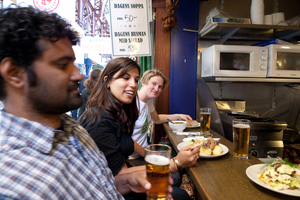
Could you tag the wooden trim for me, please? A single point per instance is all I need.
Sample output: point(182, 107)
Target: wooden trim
point(162, 62)
point(159, 3)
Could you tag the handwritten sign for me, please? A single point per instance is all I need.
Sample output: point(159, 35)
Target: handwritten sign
point(130, 33)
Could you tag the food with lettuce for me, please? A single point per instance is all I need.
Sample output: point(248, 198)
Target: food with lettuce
point(281, 175)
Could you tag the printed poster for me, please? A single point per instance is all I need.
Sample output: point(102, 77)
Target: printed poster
point(65, 8)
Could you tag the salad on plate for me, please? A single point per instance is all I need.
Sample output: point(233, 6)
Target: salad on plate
point(281, 175)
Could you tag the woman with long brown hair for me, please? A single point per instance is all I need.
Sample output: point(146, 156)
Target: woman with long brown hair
point(110, 116)
point(88, 87)
point(111, 112)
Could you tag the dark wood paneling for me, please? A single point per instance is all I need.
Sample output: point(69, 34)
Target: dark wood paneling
point(159, 3)
point(162, 61)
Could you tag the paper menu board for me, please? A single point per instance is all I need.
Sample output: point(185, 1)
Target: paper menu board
point(130, 31)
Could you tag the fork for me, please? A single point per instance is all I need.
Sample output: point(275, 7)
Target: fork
point(191, 134)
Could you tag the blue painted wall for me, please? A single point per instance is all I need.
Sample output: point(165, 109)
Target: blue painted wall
point(183, 64)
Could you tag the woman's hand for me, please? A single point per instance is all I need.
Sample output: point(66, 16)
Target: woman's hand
point(188, 155)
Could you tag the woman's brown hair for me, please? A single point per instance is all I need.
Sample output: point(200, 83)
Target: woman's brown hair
point(101, 96)
point(91, 81)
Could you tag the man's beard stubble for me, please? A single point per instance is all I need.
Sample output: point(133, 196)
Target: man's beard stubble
point(45, 103)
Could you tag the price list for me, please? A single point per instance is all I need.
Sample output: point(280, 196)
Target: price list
point(130, 28)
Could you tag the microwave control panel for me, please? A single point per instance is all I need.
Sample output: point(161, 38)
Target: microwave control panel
point(263, 62)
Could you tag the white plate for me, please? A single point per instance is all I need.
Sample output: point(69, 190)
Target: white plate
point(192, 138)
point(193, 126)
point(225, 150)
point(252, 173)
point(197, 138)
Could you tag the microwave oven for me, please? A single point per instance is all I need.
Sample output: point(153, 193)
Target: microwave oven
point(234, 61)
point(284, 61)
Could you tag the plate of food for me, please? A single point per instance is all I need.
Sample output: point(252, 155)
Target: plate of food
point(192, 124)
point(278, 177)
point(210, 148)
point(187, 139)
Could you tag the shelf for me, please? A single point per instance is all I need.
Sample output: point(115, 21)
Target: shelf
point(250, 32)
point(225, 31)
point(234, 79)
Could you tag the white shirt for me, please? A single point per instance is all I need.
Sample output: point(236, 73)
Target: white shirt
point(142, 124)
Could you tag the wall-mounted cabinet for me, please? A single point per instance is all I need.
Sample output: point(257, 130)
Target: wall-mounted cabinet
point(255, 32)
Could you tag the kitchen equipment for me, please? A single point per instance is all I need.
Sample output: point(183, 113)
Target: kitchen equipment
point(266, 134)
point(231, 105)
point(234, 61)
point(283, 61)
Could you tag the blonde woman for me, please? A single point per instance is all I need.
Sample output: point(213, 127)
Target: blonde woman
point(153, 82)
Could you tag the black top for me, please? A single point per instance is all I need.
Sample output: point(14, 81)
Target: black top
point(85, 97)
point(116, 144)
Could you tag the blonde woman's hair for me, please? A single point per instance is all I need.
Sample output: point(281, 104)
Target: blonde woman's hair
point(155, 72)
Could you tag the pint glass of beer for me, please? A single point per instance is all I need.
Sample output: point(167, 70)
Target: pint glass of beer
point(157, 158)
point(205, 117)
point(241, 134)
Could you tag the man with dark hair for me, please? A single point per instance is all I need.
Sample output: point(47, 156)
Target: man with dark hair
point(44, 153)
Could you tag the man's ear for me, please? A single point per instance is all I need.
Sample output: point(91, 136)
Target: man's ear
point(12, 74)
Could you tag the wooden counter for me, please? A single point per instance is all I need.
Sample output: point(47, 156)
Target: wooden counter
point(224, 177)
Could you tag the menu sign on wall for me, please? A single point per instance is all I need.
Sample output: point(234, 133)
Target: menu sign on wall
point(130, 33)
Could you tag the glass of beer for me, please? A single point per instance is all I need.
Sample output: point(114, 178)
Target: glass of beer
point(205, 117)
point(241, 134)
point(157, 158)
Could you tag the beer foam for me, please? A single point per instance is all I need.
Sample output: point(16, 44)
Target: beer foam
point(241, 126)
point(157, 160)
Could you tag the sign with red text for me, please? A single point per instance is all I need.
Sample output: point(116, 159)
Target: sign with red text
point(130, 32)
point(65, 8)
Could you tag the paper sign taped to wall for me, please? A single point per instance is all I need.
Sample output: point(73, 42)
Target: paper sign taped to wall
point(130, 33)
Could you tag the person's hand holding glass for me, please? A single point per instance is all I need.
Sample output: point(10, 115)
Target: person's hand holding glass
point(157, 158)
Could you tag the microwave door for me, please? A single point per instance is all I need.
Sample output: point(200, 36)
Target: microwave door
point(234, 64)
point(284, 61)
point(235, 61)
point(288, 61)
